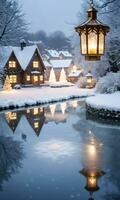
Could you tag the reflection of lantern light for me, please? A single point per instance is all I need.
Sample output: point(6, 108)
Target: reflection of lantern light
point(92, 184)
point(92, 36)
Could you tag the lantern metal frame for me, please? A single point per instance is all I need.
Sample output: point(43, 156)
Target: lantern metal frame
point(92, 25)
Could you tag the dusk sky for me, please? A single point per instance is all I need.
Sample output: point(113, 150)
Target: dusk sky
point(51, 15)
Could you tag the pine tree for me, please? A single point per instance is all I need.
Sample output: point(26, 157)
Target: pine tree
point(63, 76)
point(7, 85)
point(52, 78)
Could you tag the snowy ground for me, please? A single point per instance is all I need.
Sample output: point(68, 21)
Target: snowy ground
point(34, 96)
point(106, 101)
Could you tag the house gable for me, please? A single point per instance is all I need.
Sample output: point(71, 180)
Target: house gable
point(13, 70)
point(36, 58)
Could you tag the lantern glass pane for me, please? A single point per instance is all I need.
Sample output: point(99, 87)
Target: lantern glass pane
point(83, 43)
point(92, 43)
point(101, 43)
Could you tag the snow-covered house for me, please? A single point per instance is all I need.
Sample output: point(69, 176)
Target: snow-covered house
point(23, 65)
point(65, 55)
point(58, 70)
point(52, 54)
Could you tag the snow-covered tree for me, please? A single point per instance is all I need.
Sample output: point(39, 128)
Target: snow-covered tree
point(109, 83)
point(52, 78)
point(7, 84)
point(63, 76)
point(12, 25)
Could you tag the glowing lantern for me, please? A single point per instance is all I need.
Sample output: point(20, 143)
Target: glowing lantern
point(89, 78)
point(92, 36)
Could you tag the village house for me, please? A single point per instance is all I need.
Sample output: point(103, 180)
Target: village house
point(65, 55)
point(58, 70)
point(23, 65)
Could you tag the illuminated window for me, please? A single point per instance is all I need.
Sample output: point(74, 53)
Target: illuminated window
point(36, 125)
point(35, 64)
point(13, 78)
point(11, 116)
point(35, 111)
point(12, 64)
point(35, 78)
point(28, 78)
point(41, 109)
point(41, 77)
point(28, 111)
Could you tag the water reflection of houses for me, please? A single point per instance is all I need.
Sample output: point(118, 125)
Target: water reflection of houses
point(56, 112)
point(36, 117)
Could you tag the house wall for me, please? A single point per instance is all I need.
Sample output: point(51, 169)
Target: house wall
point(14, 71)
point(21, 75)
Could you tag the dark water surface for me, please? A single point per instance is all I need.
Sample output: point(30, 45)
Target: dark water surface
point(55, 153)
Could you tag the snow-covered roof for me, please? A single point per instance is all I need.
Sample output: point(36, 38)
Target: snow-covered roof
point(47, 64)
point(89, 74)
point(53, 53)
point(65, 53)
point(5, 53)
point(23, 56)
point(61, 63)
point(75, 74)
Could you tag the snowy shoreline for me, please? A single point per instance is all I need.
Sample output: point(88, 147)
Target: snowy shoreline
point(104, 105)
point(39, 96)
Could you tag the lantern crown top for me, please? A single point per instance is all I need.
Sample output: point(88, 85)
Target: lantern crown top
point(92, 21)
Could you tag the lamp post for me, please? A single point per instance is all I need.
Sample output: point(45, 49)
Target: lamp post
point(92, 35)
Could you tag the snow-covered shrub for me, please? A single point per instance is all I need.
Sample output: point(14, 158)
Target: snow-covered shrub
point(109, 83)
point(81, 82)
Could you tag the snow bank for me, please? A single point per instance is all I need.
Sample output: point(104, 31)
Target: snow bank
point(105, 101)
point(36, 96)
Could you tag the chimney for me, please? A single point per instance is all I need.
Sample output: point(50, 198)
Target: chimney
point(22, 44)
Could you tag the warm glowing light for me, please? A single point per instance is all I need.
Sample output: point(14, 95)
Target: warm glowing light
point(13, 78)
point(92, 150)
point(35, 111)
point(35, 78)
point(74, 69)
point(28, 77)
point(36, 125)
point(7, 84)
point(83, 43)
point(12, 64)
point(35, 64)
point(28, 111)
point(92, 43)
point(92, 182)
point(63, 76)
point(52, 78)
point(10, 116)
point(63, 107)
point(52, 109)
point(41, 77)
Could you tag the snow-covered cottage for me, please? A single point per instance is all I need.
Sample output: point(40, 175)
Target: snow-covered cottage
point(58, 70)
point(23, 65)
point(65, 55)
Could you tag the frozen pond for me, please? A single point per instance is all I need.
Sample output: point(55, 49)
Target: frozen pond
point(55, 153)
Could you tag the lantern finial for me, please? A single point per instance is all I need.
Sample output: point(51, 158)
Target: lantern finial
point(91, 3)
